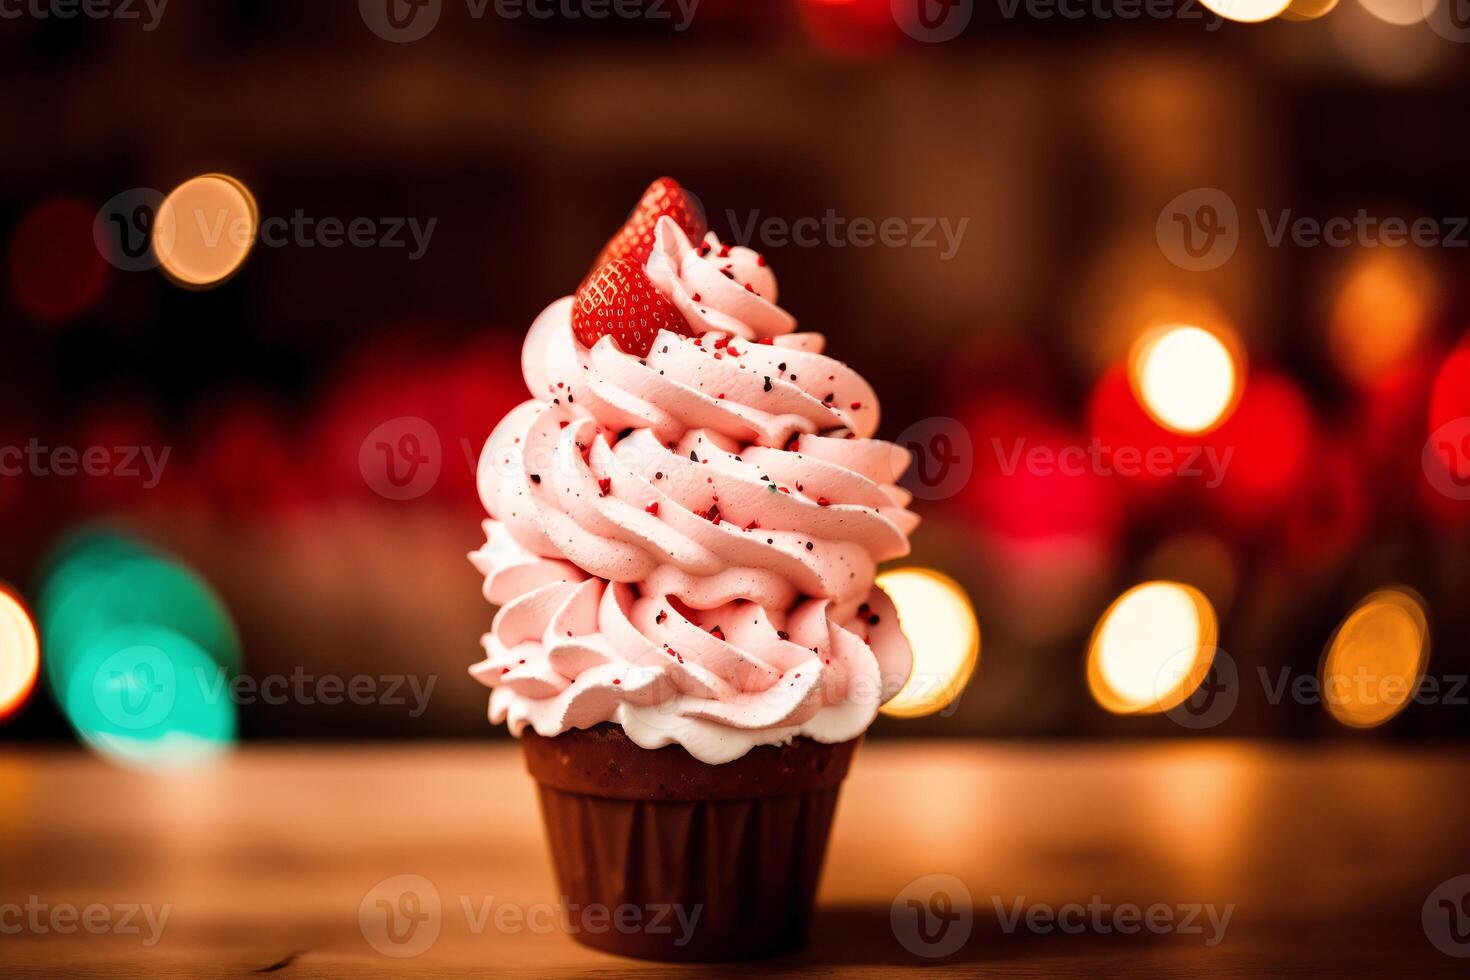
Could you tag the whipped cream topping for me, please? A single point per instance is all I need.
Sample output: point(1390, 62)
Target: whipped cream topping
point(686, 543)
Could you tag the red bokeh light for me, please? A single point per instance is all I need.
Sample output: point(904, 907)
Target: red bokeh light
point(56, 271)
point(851, 28)
point(1013, 497)
point(1270, 439)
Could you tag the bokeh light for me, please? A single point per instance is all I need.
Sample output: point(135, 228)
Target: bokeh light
point(1152, 648)
point(940, 624)
point(1185, 377)
point(56, 271)
point(1400, 13)
point(20, 658)
point(1376, 658)
point(146, 696)
point(1301, 10)
point(1247, 11)
point(1381, 315)
point(205, 229)
point(1270, 440)
point(139, 650)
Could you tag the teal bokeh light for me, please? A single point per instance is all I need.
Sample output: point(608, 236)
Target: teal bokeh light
point(138, 650)
point(101, 580)
point(149, 696)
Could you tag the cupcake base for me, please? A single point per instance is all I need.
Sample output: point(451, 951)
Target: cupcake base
point(660, 856)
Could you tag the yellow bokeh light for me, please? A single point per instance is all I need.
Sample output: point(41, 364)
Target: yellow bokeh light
point(1381, 316)
point(1376, 659)
point(20, 658)
point(204, 230)
point(1247, 11)
point(1185, 377)
point(940, 623)
point(1152, 648)
point(1301, 10)
point(1400, 13)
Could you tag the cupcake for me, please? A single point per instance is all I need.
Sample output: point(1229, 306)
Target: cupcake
point(686, 518)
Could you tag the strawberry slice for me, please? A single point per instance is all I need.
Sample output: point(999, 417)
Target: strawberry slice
point(620, 302)
point(635, 239)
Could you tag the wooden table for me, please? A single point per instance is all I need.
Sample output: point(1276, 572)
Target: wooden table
point(1326, 858)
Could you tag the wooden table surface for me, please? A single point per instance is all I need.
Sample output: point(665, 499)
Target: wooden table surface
point(1324, 859)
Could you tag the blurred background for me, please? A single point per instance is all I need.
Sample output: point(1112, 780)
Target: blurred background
point(1102, 225)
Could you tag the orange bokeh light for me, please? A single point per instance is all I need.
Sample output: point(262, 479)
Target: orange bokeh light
point(20, 659)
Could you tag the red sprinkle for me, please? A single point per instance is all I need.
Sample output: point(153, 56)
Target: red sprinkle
point(767, 341)
point(604, 486)
point(752, 525)
point(823, 502)
point(616, 681)
point(562, 424)
point(652, 508)
point(760, 260)
point(856, 405)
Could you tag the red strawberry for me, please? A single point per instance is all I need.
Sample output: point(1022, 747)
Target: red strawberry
point(619, 301)
point(635, 239)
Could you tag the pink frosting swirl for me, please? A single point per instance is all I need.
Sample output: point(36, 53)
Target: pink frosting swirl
point(728, 483)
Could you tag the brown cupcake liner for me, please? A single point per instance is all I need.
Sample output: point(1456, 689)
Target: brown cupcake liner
point(655, 859)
